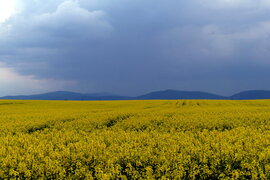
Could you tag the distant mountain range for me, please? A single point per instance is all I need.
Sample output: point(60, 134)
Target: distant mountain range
point(255, 94)
point(65, 95)
point(167, 94)
point(173, 94)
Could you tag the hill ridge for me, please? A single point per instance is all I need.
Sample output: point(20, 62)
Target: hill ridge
point(154, 95)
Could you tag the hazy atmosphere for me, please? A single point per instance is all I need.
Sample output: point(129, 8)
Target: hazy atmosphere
point(132, 47)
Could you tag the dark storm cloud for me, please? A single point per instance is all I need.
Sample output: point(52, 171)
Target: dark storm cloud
point(131, 47)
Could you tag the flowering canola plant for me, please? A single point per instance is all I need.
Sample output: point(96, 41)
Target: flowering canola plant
point(168, 139)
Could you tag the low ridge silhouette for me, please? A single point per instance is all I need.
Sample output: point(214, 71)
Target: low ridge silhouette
point(166, 94)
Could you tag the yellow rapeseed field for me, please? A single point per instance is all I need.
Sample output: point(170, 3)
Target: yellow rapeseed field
point(177, 139)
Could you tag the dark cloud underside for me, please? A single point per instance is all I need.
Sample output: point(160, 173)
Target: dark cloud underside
point(130, 47)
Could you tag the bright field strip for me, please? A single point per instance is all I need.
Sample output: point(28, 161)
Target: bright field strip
point(168, 139)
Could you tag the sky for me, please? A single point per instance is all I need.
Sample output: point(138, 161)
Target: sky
point(134, 47)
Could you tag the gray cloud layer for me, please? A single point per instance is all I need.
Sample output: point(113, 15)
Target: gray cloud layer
point(130, 47)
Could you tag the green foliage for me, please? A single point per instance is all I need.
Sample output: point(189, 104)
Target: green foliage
point(185, 139)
